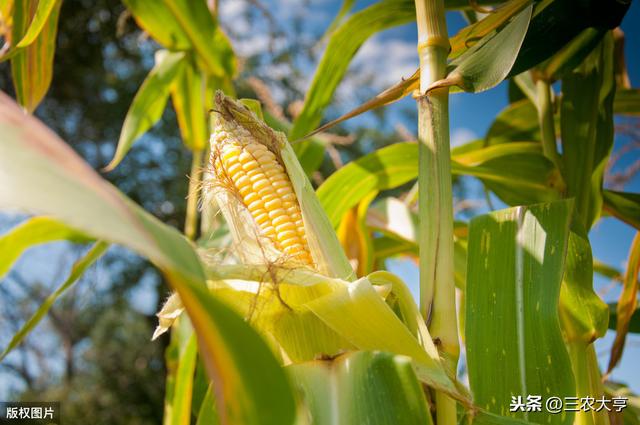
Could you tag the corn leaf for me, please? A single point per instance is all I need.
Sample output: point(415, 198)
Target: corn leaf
point(624, 206)
point(207, 414)
point(586, 118)
point(473, 34)
point(399, 224)
point(523, 177)
point(208, 40)
point(149, 103)
point(359, 314)
point(627, 101)
point(516, 122)
point(555, 23)
point(44, 10)
point(515, 267)
point(634, 322)
point(34, 231)
point(251, 386)
point(343, 45)
point(627, 303)
point(31, 65)
point(572, 54)
point(77, 270)
point(187, 94)
point(183, 389)
point(160, 23)
point(583, 315)
point(387, 387)
point(489, 61)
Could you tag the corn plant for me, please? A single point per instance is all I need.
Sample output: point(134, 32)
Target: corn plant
point(293, 318)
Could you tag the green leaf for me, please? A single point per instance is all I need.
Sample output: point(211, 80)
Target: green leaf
point(183, 389)
point(186, 25)
point(555, 23)
point(32, 65)
point(207, 414)
point(515, 267)
point(517, 122)
point(77, 270)
point(44, 10)
point(399, 224)
point(634, 322)
point(208, 40)
point(624, 206)
point(582, 313)
point(627, 303)
point(515, 173)
point(35, 231)
point(387, 389)
point(187, 94)
point(571, 55)
point(343, 45)
point(160, 23)
point(149, 103)
point(383, 169)
point(627, 101)
point(252, 387)
point(489, 61)
point(360, 315)
point(586, 119)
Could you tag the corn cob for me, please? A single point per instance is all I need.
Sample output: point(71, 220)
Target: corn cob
point(258, 177)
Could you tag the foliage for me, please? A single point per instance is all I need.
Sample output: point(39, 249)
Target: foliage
point(265, 343)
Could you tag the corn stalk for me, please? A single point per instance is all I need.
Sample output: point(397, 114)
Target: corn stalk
point(435, 203)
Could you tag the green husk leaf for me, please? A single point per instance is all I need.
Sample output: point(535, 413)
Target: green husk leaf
point(387, 387)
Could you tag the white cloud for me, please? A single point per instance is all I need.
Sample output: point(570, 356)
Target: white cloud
point(388, 60)
point(462, 135)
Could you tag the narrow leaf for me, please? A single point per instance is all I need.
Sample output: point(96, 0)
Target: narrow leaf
point(489, 61)
point(586, 118)
point(183, 389)
point(77, 270)
point(34, 231)
point(160, 23)
point(44, 10)
point(627, 101)
point(627, 303)
point(149, 103)
point(583, 314)
point(208, 40)
point(343, 45)
point(624, 206)
point(31, 66)
point(187, 94)
point(516, 173)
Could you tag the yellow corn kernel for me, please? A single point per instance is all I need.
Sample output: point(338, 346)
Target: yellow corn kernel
point(265, 189)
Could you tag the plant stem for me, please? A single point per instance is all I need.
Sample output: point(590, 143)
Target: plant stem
point(435, 200)
point(588, 381)
point(195, 178)
point(547, 125)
